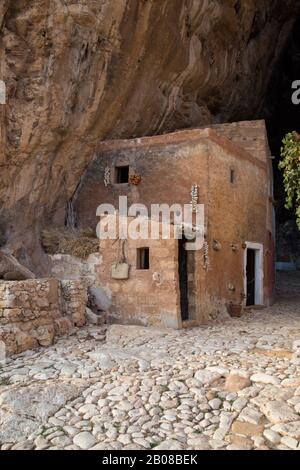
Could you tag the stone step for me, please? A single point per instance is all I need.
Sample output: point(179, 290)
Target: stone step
point(189, 324)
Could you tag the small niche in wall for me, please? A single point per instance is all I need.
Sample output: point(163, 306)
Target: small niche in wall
point(142, 258)
point(122, 174)
point(232, 176)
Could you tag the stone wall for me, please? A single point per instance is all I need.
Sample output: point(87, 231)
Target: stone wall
point(34, 312)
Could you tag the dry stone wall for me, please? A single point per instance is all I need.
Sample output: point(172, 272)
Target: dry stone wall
point(34, 312)
point(74, 297)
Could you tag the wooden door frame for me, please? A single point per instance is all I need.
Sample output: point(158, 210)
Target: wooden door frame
point(259, 271)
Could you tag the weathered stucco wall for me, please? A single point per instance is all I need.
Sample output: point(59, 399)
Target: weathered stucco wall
point(168, 168)
point(148, 297)
point(34, 312)
point(238, 212)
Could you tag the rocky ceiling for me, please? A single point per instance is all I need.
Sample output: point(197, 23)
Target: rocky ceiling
point(281, 114)
point(81, 71)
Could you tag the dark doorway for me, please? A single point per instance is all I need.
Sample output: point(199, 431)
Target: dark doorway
point(142, 258)
point(183, 279)
point(250, 277)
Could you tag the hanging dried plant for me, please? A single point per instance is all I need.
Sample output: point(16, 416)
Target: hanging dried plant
point(107, 176)
point(194, 195)
point(206, 261)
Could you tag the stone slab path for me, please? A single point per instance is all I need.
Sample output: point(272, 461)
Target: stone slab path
point(233, 385)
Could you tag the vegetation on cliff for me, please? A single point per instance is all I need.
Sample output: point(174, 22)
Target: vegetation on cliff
point(290, 164)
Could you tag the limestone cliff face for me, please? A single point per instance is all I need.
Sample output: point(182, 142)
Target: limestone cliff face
point(78, 72)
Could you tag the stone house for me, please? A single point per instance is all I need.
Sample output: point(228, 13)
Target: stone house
point(231, 166)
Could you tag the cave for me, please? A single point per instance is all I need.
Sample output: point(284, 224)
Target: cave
point(147, 69)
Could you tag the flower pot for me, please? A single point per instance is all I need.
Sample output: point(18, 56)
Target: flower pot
point(235, 310)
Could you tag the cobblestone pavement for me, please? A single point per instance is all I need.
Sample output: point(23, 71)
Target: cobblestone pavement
point(232, 385)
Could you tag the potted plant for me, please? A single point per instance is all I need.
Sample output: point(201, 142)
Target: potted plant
point(235, 309)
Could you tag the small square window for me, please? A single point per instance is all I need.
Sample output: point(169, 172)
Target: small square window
point(121, 174)
point(142, 258)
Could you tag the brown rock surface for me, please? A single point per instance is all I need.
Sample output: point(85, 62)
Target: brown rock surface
point(247, 429)
point(79, 72)
point(12, 270)
point(236, 382)
point(241, 441)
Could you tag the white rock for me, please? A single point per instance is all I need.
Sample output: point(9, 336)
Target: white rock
point(250, 415)
point(125, 405)
point(231, 396)
point(296, 346)
point(291, 382)
point(204, 423)
point(288, 429)
point(101, 299)
point(70, 430)
point(223, 371)
point(297, 408)
point(239, 404)
point(215, 404)
point(272, 436)
point(119, 390)
point(124, 439)
point(198, 442)
point(279, 412)
point(142, 442)
point(290, 442)
point(41, 443)
point(265, 379)
point(37, 400)
point(258, 441)
point(103, 360)
point(207, 377)
point(154, 398)
point(237, 447)
point(178, 386)
point(169, 444)
point(217, 444)
point(226, 420)
point(61, 441)
point(89, 409)
point(102, 446)
point(143, 365)
point(297, 392)
point(85, 440)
